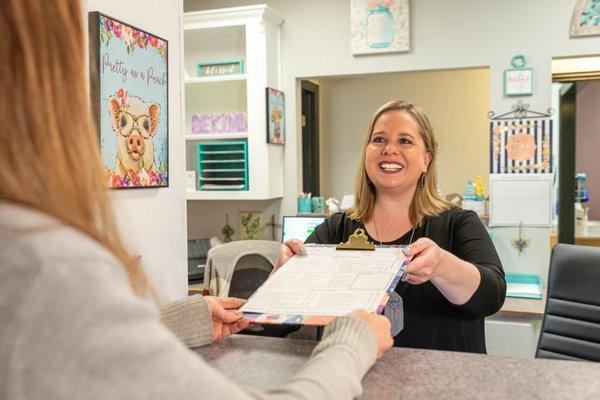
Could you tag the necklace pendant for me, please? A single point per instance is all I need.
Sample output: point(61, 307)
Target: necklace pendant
point(394, 311)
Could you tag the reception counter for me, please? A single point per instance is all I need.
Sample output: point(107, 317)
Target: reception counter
point(265, 363)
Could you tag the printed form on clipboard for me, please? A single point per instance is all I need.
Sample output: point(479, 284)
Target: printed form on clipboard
point(327, 283)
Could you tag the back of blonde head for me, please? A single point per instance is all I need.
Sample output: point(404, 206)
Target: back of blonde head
point(426, 201)
point(49, 151)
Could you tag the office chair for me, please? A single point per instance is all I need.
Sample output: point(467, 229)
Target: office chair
point(571, 325)
point(237, 269)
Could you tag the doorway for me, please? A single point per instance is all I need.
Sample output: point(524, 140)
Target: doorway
point(310, 138)
point(579, 146)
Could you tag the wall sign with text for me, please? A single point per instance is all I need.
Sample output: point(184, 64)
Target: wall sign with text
point(218, 68)
point(518, 80)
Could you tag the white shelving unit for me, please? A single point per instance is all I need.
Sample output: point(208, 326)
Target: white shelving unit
point(251, 34)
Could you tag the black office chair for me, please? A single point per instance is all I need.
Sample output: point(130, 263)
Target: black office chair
point(571, 326)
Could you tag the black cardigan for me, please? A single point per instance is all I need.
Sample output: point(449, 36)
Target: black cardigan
point(430, 320)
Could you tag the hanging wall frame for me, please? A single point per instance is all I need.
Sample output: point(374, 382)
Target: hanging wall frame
point(130, 101)
point(585, 20)
point(521, 141)
point(379, 26)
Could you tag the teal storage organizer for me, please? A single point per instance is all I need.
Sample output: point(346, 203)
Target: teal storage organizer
point(523, 285)
point(223, 165)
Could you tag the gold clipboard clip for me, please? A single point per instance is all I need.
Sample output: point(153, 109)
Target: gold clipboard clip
point(357, 241)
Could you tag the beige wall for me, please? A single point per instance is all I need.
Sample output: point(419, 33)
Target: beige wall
point(455, 100)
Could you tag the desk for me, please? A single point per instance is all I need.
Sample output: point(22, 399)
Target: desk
point(514, 330)
point(516, 306)
point(266, 363)
point(588, 240)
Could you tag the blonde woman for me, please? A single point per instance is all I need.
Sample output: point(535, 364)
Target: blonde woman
point(78, 316)
point(455, 278)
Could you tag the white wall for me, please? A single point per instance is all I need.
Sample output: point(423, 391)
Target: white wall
point(207, 218)
point(445, 34)
point(153, 221)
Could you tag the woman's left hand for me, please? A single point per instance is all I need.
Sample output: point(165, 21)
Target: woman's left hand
point(226, 318)
point(427, 262)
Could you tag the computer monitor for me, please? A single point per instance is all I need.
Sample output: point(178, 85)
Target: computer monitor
point(299, 227)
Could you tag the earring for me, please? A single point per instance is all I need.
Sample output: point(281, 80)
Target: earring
point(423, 181)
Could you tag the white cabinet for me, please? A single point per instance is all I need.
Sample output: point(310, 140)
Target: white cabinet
point(251, 34)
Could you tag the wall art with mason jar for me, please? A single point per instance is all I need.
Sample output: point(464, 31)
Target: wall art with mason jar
point(379, 26)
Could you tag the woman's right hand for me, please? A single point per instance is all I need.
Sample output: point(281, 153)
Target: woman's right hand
point(289, 249)
point(381, 328)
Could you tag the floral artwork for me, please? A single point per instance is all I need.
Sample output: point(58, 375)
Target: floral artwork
point(379, 26)
point(275, 116)
point(585, 20)
point(252, 225)
point(129, 80)
point(521, 146)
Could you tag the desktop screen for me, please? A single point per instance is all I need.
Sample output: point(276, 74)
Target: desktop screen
point(299, 227)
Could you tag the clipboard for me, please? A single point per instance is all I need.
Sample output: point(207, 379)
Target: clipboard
point(390, 273)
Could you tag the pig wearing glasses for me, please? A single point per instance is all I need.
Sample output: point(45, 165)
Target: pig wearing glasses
point(135, 122)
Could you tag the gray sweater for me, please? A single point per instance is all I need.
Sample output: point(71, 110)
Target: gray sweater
point(71, 328)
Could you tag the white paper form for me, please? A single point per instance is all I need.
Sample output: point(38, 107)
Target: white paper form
point(329, 282)
point(516, 198)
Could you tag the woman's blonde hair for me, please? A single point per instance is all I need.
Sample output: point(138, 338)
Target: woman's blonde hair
point(50, 153)
point(426, 201)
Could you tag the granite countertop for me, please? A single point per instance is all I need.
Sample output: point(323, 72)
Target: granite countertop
point(266, 363)
point(521, 307)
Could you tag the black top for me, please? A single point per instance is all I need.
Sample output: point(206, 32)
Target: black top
point(430, 320)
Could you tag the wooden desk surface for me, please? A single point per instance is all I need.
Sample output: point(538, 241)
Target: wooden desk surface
point(513, 306)
point(266, 363)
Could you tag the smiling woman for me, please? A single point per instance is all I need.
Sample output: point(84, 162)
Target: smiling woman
point(455, 277)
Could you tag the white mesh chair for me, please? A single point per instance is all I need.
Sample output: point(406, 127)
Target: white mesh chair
point(237, 269)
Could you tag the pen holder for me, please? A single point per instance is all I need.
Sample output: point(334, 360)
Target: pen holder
point(318, 205)
point(304, 205)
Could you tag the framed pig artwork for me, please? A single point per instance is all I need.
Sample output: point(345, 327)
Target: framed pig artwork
point(130, 102)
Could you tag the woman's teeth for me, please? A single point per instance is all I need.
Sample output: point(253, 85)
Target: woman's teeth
point(391, 166)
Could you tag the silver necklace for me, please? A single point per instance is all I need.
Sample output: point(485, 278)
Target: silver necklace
point(412, 234)
point(394, 309)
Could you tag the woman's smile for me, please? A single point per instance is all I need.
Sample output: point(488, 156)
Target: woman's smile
point(390, 167)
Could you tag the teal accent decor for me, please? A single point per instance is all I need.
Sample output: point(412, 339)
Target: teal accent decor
point(591, 14)
point(223, 165)
point(218, 68)
point(304, 205)
point(518, 61)
point(518, 80)
point(523, 285)
point(379, 28)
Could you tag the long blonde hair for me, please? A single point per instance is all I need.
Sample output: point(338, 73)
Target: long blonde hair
point(49, 150)
point(426, 201)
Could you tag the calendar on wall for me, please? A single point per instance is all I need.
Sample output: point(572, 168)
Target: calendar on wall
point(521, 199)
